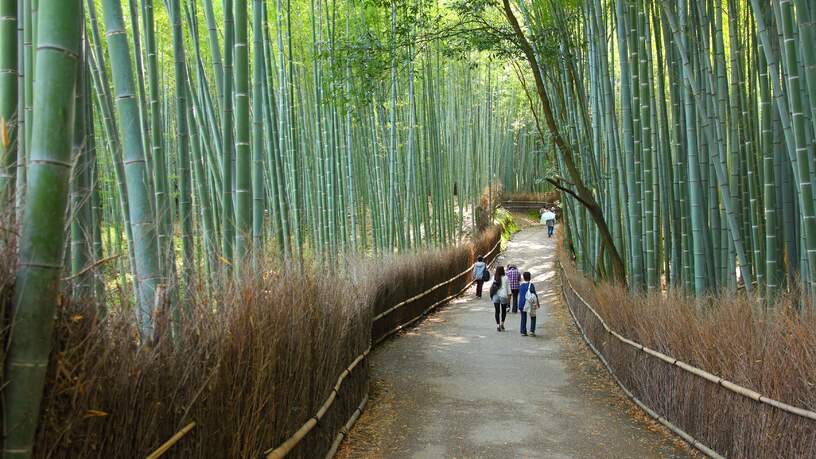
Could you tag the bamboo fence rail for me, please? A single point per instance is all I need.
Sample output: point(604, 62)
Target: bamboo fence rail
point(346, 428)
point(718, 381)
point(289, 444)
point(430, 308)
point(171, 442)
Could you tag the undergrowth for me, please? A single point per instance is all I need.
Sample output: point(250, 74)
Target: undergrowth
point(254, 360)
point(771, 351)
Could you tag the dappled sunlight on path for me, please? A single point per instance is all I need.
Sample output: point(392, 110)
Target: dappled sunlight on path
point(455, 387)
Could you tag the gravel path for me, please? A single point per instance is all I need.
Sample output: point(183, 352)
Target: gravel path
point(455, 387)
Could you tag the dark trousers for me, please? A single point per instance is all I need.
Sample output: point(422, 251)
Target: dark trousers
point(550, 230)
point(515, 299)
point(532, 324)
point(501, 312)
point(479, 284)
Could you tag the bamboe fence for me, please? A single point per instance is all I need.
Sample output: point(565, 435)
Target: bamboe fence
point(570, 294)
point(289, 444)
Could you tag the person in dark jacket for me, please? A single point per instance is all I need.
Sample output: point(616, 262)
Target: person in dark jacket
point(499, 295)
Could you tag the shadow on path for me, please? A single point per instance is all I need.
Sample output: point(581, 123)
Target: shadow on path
point(455, 387)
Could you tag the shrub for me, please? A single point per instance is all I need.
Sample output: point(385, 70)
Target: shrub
point(504, 220)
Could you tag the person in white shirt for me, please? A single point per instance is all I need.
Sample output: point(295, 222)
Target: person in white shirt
point(548, 218)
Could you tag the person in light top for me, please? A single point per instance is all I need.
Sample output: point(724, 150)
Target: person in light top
point(480, 275)
point(548, 218)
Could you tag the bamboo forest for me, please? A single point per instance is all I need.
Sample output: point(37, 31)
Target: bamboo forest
point(223, 221)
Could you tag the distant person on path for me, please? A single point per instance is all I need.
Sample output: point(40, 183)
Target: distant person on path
point(528, 304)
point(514, 278)
point(500, 296)
point(548, 218)
point(480, 275)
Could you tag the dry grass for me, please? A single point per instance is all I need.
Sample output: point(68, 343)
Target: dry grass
point(251, 365)
point(549, 196)
point(404, 276)
point(254, 361)
point(773, 353)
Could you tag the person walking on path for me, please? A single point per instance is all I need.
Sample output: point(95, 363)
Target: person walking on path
point(500, 296)
point(528, 304)
point(480, 275)
point(548, 218)
point(514, 278)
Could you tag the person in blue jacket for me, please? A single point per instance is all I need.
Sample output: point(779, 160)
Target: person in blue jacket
point(528, 308)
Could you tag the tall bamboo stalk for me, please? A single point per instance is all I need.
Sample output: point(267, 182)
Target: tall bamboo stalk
point(42, 228)
point(142, 219)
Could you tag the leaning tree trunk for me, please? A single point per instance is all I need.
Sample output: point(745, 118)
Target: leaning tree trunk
point(42, 239)
point(586, 198)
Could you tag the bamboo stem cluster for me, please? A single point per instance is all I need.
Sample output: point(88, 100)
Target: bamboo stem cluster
point(694, 124)
point(149, 147)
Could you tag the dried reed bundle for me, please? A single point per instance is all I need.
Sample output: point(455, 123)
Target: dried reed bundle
point(769, 351)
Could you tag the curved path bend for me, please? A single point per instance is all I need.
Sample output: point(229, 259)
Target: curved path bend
point(455, 387)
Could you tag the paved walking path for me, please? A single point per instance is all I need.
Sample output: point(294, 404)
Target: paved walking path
point(455, 387)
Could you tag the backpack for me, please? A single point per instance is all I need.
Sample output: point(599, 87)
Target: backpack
point(531, 304)
point(486, 275)
point(494, 288)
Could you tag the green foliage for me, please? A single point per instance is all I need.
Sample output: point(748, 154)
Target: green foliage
point(504, 218)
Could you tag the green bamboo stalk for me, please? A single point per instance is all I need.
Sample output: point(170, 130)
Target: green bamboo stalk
point(243, 153)
point(227, 146)
point(215, 50)
point(9, 113)
point(634, 202)
point(160, 182)
point(142, 219)
point(42, 226)
point(257, 167)
point(81, 211)
point(183, 145)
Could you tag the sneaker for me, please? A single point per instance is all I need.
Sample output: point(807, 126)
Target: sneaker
point(498, 328)
point(502, 327)
point(532, 333)
point(524, 334)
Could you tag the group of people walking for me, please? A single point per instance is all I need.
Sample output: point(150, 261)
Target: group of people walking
point(510, 290)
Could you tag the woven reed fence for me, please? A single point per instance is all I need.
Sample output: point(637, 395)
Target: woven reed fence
point(388, 320)
point(714, 415)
